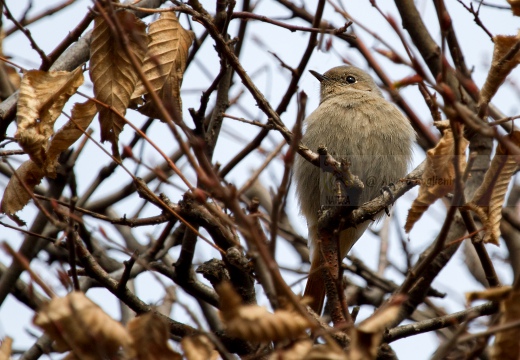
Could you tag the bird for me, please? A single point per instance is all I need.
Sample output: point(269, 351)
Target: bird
point(354, 122)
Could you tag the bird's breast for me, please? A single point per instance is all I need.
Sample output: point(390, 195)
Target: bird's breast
point(372, 135)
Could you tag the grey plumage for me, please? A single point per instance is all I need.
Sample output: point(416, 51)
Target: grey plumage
point(354, 122)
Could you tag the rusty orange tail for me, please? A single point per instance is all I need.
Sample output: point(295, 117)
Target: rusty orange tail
point(315, 287)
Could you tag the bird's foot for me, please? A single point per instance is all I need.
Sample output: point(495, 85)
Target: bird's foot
point(387, 189)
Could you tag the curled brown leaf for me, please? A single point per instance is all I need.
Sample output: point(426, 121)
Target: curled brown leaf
point(79, 325)
point(112, 73)
point(326, 352)
point(506, 346)
point(492, 294)
point(5, 348)
point(490, 196)
point(165, 63)
point(366, 337)
point(255, 323)
point(68, 134)
point(13, 76)
point(199, 347)
point(515, 6)
point(439, 176)
point(150, 336)
point(42, 97)
point(296, 351)
point(500, 65)
point(16, 195)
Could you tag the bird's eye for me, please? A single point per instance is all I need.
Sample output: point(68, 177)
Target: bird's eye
point(351, 79)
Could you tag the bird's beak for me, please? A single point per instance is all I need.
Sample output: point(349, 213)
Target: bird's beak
point(317, 75)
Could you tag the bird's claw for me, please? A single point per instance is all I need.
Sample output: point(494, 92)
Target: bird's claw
point(386, 188)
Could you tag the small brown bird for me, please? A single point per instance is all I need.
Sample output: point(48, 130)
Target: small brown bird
point(354, 122)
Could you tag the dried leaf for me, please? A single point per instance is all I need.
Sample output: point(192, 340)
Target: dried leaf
point(13, 75)
point(112, 73)
point(77, 324)
point(165, 63)
point(15, 194)
point(492, 294)
point(199, 347)
point(71, 356)
point(500, 66)
point(6, 348)
point(296, 351)
point(42, 97)
point(82, 115)
point(150, 336)
point(230, 301)
point(255, 323)
point(326, 352)
point(439, 176)
point(515, 6)
point(490, 196)
point(507, 346)
point(366, 337)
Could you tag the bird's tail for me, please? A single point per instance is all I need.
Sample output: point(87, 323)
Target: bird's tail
point(315, 288)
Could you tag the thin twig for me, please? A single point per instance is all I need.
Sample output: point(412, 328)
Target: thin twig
point(25, 264)
point(261, 168)
point(293, 28)
point(28, 21)
point(71, 238)
point(250, 122)
point(45, 59)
